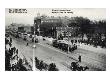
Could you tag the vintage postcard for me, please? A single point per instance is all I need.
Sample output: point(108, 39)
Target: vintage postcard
point(55, 39)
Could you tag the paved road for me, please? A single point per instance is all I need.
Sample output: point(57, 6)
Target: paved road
point(49, 54)
point(96, 60)
point(23, 50)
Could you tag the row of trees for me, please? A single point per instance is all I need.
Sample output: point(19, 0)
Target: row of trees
point(95, 31)
point(88, 26)
point(80, 25)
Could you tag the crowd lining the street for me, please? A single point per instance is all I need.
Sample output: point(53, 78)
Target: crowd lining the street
point(21, 64)
point(13, 62)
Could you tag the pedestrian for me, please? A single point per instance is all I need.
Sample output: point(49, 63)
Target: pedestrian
point(13, 67)
point(10, 44)
point(11, 51)
point(27, 44)
point(16, 51)
point(79, 58)
point(72, 41)
point(10, 40)
point(52, 67)
point(41, 65)
point(37, 62)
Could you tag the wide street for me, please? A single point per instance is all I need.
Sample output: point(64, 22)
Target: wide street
point(94, 58)
point(23, 50)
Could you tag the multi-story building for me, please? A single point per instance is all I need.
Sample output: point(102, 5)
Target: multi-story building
point(50, 26)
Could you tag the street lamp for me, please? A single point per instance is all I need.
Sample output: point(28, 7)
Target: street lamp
point(56, 32)
point(68, 38)
point(38, 30)
point(34, 46)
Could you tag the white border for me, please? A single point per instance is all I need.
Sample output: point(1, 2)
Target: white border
point(89, 76)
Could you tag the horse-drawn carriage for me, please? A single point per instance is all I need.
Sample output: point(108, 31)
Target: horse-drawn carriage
point(76, 67)
point(64, 45)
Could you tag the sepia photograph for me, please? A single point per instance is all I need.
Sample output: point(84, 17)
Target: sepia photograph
point(55, 39)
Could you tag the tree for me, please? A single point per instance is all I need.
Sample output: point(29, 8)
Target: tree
point(81, 25)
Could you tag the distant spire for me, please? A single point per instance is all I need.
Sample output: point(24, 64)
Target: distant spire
point(38, 14)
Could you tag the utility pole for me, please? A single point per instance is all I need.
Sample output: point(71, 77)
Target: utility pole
point(34, 46)
point(38, 30)
point(68, 38)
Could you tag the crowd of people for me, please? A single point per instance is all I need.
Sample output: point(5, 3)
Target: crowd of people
point(92, 42)
point(13, 62)
point(41, 65)
point(63, 46)
point(76, 67)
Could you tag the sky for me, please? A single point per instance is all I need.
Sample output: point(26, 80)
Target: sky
point(28, 18)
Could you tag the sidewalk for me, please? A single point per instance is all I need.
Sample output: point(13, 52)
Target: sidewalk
point(20, 56)
point(91, 48)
